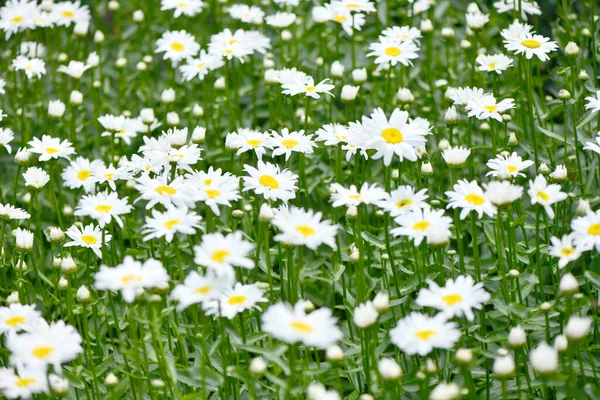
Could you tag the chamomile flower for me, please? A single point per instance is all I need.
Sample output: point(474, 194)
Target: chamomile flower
point(233, 301)
point(502, 193)
point(270, 181)
point(200, 289)
point(48, 344)
point(308, 88)
point(17, 16)
point(168, 223)
point(422, 223)
point(32, 66)
point(90, 237)
point(419, 334)
point(532, 45)
point(468, 196)
point(332, 134)
point(201, 66)
point(230, 44)
point(24, 383)
point(189, 8)
point(304, 228)
point(593, 103)
point(65, 13)
point(292, 325)
point(8, 211)
point(507, 166)
point(397, 136)
point(35, 178)
point(110, 175)
point(79, 174)
point(131, 277)
point(51, 148)
point(457, 298)
point(545, 195)
point(390, 51)
point(288, 142)
point(586, 231)
point(249, 140)
point(103, 207)
point(564, 249)
point(177, 46)
point(368, 194)
point(221, 253)
point(494, 63)
point(487, 107)
point(6, 136)
point(218, 188)
point(160, 190)
point(402, 200)
point(19, 318)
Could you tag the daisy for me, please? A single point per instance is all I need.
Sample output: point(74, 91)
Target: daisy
point(293, 325)
point(468, 196)
point(32, 66)
point(233, 301)
point(51, 148)
point(402, 200)
point(245, 13)
point(593, 103)
point(516, 31)
point(357, 6)
point(466, 95)
point(595, 147)
point(228, 44)
point(421, 223)
point(249, 140)
point(402, 33)
point(502, 193)
point(390, 51)
point(368, 194)
point(36, 178)
point(270, 181)
point(221, 253)
point(527, 7)
point(332, 134)
point(200, 289)
point(343, 16)
point(532, 45)
point(281, 19)
point(288, 142)
point(168, 223)
point(19, 318)
point(6, 136)
point(66, 13)
point(494, 63)
point(487, 107)
point(507, 166)
point(8, 211)
point(545, 195)
point(257, 42)
point(189, 8)
point(48, 345)
point(218, 188)
point(419, 333)
point(397, 136)
point(308, 88)
point(17, 16)
point(79, 174)
point(457, 298)
point(162, 191)
point(201, 66)
point(25, 383)
point(89, 236)
point(103, 174)
point(564, 249)
point(103, 207)
point(456, 157)
point(75, 69)
point(304, 228)
point(131, 277)
point(586, 231)
point(177, 46)
point(476, 20)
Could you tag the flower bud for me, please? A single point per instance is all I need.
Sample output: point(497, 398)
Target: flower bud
point(334, 354)
point(258, 366)
point(389, 369)
point(571, 50)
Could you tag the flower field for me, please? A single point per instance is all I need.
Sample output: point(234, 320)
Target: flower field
point(293, 199)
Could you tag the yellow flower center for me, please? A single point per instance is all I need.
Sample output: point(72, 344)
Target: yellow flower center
point(311, 89)
point(531, 43)
point(200, 65)
point(491, 108)
point(127, 279)
point(268, 181)
point(305, 230)
point(177, 46)
point(237, 300)
point(16, 20)
point(182, 5)
point(340, 18)
point(171, 223)
point(212, 193)
point(404, 203)
point(105, 208)
point(84, 174)
point(109, 176)
point(543, 195)
point(452, 299)
point(594, 229)
point(475, 199)
point(208, 182)
point(43, 351)
point(68, 14)
point(392, 135)
point(166, 189)
point(355, 197)
point(393, 51)
point(24, 382)
point(421, 226)
point(220, 255)
point(203, 289)
point(14, 321)
point(301, 327)
point(51, 150)
point(353, 5)
point(89, 239)
point(122, 132)
point(228, 51)
point(289, 143)
point(512, 168)
point(254, 142)
point(492, 66)
point(567, 252)
point(425, 334)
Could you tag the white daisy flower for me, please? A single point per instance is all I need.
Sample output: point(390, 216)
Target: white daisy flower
point(564, 249)
point(505, 167)
point(6, 136)
point(233, 301)
point(487, 107)
point(502, 193)
point(168, 223)
point(89, 237)
point(419, 334)
point(494, 63)
point(532, 45)
point(19, 318)
point(79, 174)
point(593, 103)
point(368, 194)
point(402, 200)
point(221, 253)
point(177, 46)
point(289, 142)
point(545, 195)
point(468, 196)
point(103, 207)
point(249, 140)
point(23, 384)
point(218, 188)
point(586, 231)
point(200, 289)
point(189, 8)
point(423, 223)
point(304, 228)
point(51, 148)
point(270, 181)
point(35, 178)
point(391, 51)
point(308, 88)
